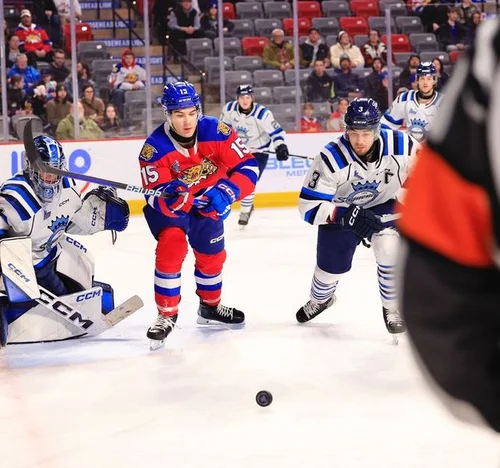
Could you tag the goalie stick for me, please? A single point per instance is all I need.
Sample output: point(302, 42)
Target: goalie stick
point(37, 163)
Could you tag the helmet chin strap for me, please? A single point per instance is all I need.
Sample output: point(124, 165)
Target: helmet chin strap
point(420, 95)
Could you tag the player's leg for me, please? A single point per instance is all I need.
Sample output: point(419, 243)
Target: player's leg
point(335, 250)
point(206, 237)
point(246, 204)
point(169, 256)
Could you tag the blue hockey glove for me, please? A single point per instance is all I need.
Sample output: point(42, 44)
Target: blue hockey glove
point(117, 209)
point(220, 198)
point(362, 222)
point(282, 152)
point(181, 200)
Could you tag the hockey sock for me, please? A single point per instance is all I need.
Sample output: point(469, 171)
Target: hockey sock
point(208, 287)
point(167, 292)
point(247, 203)
point(323, 285)
point(387, 286)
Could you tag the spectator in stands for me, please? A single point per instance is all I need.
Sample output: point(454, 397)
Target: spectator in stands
point(477, 19)
point(111, 124)
point(59, 107)
point(84, 77)
point(347, 83)
point(39, 101)
point(12, 50)
point(309, 123)
point(46, 16)
point(209, 23)
point(466, 10)
point(89, 130)
point(376, 84)
point(183, 23)
point(278, 53)
point(48, 83)
point(58, 67)
point(452, 35)
point(30, 74)
point(442, 76)
point(373, 48)
point(344, 46)
point(16, 96)
point(63, 9)
point(434, 14)
point(319, 85)
point(314, 49)
point(34, 40)
point(126, 76)
point(408, 71)
point(93, 106)
point(160, 12)
point(336, 120)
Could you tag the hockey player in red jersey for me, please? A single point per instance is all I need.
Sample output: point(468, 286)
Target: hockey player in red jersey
point(205, 168)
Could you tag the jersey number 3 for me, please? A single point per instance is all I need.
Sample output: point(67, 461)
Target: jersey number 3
point(239, 148)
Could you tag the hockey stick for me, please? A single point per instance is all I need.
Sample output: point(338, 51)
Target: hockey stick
point(255, 150)
point(37, 163)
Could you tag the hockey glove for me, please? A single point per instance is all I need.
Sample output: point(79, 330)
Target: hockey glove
point(220, 198)
point(117, 211)
point(362, 222)
point(282, 152)
point(181, 201)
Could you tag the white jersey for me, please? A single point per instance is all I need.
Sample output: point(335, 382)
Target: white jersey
point(339, 178)
point(22, 213)
point(257, 129)
point(417, 118)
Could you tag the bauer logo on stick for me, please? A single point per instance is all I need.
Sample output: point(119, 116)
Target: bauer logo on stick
point(147, 151)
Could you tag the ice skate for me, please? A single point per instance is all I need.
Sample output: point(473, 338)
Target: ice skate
point(244, 218)
point(160, 329)
point(394, 323)
point(219, 314)
point(312, 309)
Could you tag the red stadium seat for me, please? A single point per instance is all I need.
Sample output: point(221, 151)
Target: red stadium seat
point(304, 26)
point(454, 54)
point(400, 43)
point(254, 45)
point(365, 8)
point(228, 11)
point(83, 34)
point(354, 25)
point(139, 4)
point(309, 10)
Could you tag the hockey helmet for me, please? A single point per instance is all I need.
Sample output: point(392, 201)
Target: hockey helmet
point(426, 68)
point(362, 114)
point(180, 95)
point(244, 90)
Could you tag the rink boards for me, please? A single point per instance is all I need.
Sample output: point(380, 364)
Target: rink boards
point(117, 160)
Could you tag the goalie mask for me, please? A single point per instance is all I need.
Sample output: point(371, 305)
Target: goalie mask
point(47, 186)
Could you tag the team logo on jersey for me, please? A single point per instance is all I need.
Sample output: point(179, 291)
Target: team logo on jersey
point(243, 134)
point(417, 129)
point(364, 193)
point(147, 152)
point(57, 226)
point(223, 128)
point(195, 174)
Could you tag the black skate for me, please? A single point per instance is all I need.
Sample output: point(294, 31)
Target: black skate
point(162, 327)
point(244, 218)
point(219, 314)
point(312, 309)
point(394, 323)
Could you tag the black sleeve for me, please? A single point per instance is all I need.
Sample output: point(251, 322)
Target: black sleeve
point(453, 318)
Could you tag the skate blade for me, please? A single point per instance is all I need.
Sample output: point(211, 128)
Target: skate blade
point(155, 345)
point(398, 338)
point(204, 321)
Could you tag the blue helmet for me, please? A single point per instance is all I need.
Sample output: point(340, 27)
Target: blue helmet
point(244, 90)
point(426, 68)
point(362, 114)
point(180, 95)
point(51, 152)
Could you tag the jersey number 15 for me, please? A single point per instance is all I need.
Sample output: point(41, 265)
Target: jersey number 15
point(239, 148)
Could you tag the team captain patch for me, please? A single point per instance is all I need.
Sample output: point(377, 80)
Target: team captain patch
point(223, 128)
point(147, 151)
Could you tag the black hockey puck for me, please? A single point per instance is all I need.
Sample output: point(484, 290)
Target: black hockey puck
point(264, 398)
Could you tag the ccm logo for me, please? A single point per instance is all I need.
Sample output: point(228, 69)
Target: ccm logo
point(18, 272)
point(354, 213)
point(216, 239)
point(77, 244)
point(228, 190)
point(87, 296)
point(94, 216)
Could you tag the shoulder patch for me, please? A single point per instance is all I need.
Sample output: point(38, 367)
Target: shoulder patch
point(223, 128)
point(147, 152)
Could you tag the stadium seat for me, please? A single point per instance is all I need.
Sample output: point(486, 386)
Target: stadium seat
point(248, 63)
point(264, 26)
point(409, 24)
point(360, 40)
point(378, 23)
point(93, 50)
point(326, 26)
point(304, 26)
point(228, 11)
point(423, 42)
point(263, 95)
point(401, 58)
point(362, 72)
point(400, 42)
point(308, 9)
point(454, 55)
point(354, 25)
point(232, 46)
point(254, 45)
point(335, 8)
point(268, 78)
point(285, 94)
point(243, 28)
point(83, 34)
point(431, 55)
point(235, 78)
point(303, 75)
point(365, 8)
point(249, 10)
point(277, 10)
point(212, 68)
point(198, 49)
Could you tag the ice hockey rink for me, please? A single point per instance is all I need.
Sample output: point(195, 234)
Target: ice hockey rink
point(344, 396)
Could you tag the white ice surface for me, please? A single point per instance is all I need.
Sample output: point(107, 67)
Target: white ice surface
point(344, 396)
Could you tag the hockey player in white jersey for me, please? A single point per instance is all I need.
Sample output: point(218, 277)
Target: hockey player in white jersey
point(417, 108)
point(351, 184)
point(257, 128)
point(37, 212)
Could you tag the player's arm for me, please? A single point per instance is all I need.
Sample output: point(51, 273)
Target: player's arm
point(267, 122)
point(450, 277)
point(394, 117)
point(225, 115)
